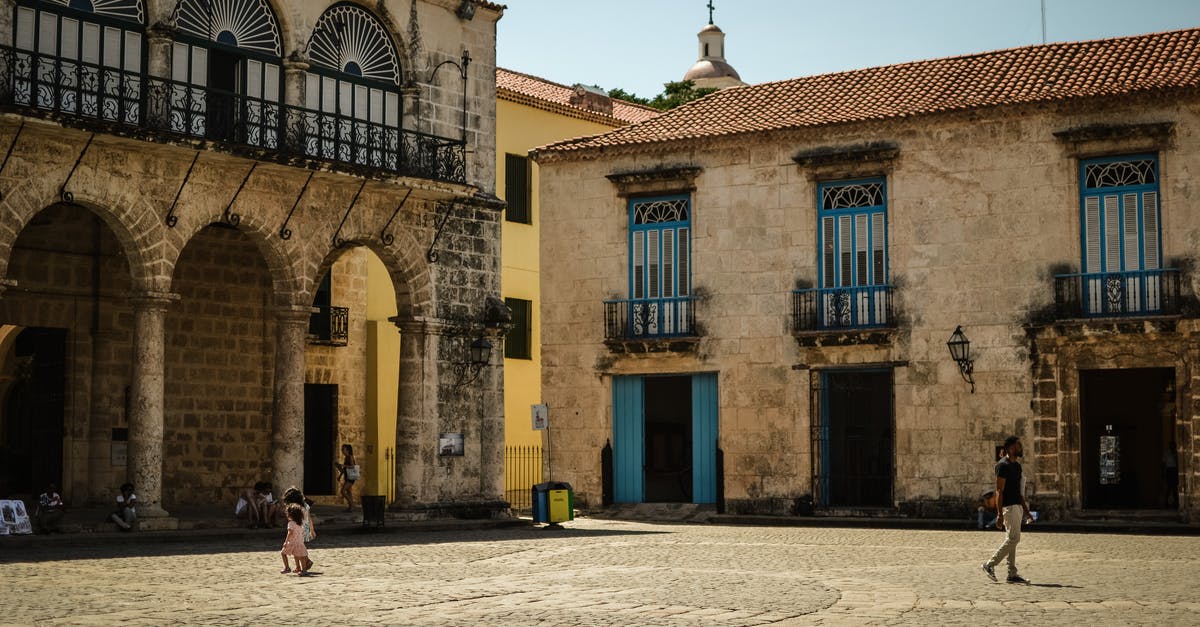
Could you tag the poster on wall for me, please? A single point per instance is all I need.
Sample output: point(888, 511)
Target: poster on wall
point(14, 519)
point(450, 444)
point(1110, 460)
point(541, 417)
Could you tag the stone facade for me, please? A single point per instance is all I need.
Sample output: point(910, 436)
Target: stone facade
point(183, 271)
point(982, 209)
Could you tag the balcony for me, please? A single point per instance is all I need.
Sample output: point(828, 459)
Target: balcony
point(113, 99)
point(329, 326)
point(842, 308)
point(650, 324)
point(1117, 294)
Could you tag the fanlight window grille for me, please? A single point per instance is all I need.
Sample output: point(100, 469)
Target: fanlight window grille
point(131, 10)
point(660, 211)
point(350, 40)
point(1120, 174)
point(246, 24)
point(852, 196)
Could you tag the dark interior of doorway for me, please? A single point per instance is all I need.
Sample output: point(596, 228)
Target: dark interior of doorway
point(320, 435)
point(32, 452)
point(224, 69)
point(668, 420)
point(858, 448)
point(1137, 406)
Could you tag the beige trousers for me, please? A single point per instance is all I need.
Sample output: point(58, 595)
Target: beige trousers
point(1013, 515)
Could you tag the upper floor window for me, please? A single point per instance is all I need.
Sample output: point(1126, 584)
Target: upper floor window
point(518, 343)
point(228, 52)
point(80, 57)
point(1120, 214)
point(853, 233)
point(660, 272)
point(518, 184)
point(353, 90)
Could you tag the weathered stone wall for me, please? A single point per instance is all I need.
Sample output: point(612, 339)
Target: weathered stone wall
point(233, 303)
point(219, 366)
point(983, 208)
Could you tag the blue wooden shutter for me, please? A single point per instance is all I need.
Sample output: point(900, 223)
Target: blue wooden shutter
point(705, 429)
point(629, 447)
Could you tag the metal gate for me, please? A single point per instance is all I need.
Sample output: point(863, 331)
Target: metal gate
point(855, 440)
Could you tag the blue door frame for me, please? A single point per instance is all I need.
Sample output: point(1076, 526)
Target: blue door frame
point(629, 445)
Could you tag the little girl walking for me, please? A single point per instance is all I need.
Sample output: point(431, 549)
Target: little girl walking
point(293, 544)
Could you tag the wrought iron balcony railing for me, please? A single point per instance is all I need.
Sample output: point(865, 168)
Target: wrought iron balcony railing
point(44, 84)
point(330, 326)
point(1114, 294)
point(649, 318)
point(860, 307)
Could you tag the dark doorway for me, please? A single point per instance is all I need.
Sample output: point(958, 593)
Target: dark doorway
point(1126, 418)
point(668, 440)
point(224, 83)
point(856, 441)
point(320, 434)
point(33, 412)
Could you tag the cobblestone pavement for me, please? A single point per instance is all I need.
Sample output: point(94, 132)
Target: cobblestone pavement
point(607, 573)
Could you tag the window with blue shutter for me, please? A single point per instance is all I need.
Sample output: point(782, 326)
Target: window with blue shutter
point(1121, 234)
point(660, 282)
point(853, 264)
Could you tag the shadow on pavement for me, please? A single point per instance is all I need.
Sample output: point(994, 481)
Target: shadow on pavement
point(204, 542)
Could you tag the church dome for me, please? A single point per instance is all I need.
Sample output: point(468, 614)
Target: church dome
point(711, 68)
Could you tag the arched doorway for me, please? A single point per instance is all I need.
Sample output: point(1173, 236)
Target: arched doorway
point(352, 373)
point(219, 368)
point(65, 333)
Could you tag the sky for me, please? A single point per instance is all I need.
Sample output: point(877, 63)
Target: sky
point(637, 45)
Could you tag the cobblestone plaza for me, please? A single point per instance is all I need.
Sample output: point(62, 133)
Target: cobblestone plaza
point(600, 572)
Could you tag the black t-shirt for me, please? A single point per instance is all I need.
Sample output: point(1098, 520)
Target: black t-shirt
point(1011, 471)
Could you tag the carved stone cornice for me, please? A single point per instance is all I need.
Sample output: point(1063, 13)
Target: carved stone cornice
point(674, 179)
point(1101, 139)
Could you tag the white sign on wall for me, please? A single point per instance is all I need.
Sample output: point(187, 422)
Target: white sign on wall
point(541, 418)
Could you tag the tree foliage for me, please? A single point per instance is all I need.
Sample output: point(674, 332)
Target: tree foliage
point(673, 94)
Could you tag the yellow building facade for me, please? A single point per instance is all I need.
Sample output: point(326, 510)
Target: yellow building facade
point(533, 112)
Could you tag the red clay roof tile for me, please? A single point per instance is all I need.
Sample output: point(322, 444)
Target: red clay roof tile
point(524, 87)
point(1042, 73)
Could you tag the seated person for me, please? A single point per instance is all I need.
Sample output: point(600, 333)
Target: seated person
point(126, 513)
point(50, 511)
point(987, 510)
point(258, 505)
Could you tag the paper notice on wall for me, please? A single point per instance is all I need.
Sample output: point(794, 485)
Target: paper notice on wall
point(541, 417)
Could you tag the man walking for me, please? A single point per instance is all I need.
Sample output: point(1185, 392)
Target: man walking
point(1011, 510)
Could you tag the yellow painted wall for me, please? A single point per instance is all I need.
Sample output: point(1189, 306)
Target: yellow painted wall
point(383, 376)
point(519, 129)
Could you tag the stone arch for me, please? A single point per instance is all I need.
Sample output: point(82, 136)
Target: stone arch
point(135, 244)
point(407, 268)
point(286, 284)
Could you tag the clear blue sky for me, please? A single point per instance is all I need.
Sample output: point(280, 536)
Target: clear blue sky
point(638, 45)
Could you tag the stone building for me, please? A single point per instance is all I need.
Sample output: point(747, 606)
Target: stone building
point(754, 295)
point(192, 192)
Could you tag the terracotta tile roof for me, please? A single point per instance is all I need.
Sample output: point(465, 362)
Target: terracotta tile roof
point(492, 5)
point(1042, 73)
point(544, 94)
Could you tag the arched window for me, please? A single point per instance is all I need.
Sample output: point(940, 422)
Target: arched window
point(225, 66)
point(352, 90)
point(82, 57)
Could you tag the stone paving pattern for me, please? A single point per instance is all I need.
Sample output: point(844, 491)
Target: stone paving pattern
point(603, 572)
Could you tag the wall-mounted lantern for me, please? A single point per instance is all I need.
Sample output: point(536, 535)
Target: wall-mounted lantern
point(479, 355)
point(960, 352)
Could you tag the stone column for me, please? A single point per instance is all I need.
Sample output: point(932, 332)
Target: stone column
point(491, 427)
point(294, 124)
point(287, 431)
point(8, 10)
point(159, 42)
point(415, 437)
point(146, 416)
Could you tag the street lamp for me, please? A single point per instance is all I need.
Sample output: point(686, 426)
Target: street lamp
point(960, 352)
point(480, 355)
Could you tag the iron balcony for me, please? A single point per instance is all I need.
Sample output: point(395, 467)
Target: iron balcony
point(1117, 294)
point(850, 307)
point(111, 99)
point(649, 318)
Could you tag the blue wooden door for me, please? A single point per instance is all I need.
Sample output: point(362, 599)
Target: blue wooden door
point(704, 438)
point(629, 448)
